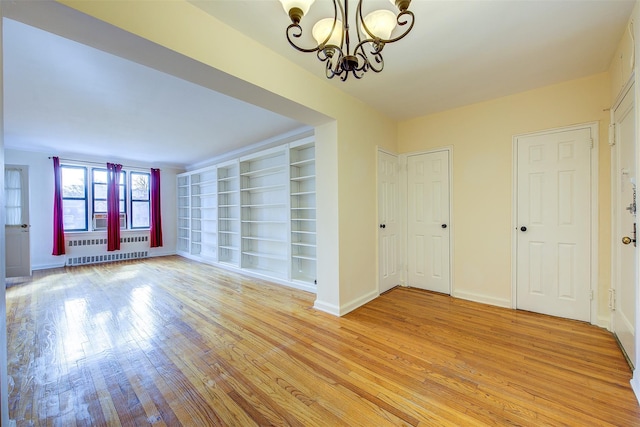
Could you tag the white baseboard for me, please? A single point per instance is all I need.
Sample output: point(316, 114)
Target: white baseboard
point(327, 308)
point(484, 299)
point(604, 322)
point(635, 384)
point(358, 302)
point(345, 308)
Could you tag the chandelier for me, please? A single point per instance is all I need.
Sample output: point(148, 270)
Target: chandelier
point(332, 35)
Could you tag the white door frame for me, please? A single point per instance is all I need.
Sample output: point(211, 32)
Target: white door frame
point(615, 171)
point(594, 128)
point(404, 183)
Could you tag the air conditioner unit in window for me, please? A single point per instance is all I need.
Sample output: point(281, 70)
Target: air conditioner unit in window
point(100, 221)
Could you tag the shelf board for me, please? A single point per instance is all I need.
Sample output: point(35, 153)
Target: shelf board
point(263, 188)
point(277, 257)
point(303, 162)
point(204, 194)
point(228, 219)
point(303, 178)
point(228, 206)
point(228, 232)
point(262, 222)
point(303, 232)
point(271, 170)
point(264, 239)
point(303, 193)
point(307, 245)
point(307, 257)
point(230, 248)
point(303, 209)
point(267, 205)
point(228, 192)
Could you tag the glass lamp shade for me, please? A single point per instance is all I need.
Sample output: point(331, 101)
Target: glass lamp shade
point(381, 23)
point(303, 5)
point(322, 29)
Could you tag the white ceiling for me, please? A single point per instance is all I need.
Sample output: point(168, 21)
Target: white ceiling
point(459, 52)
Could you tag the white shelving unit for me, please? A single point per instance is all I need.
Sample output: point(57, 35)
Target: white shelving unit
point(184, 223)
point(264, 204)
point(229, 214)
point(255, 214)
point(303, 213)
point(204, 214)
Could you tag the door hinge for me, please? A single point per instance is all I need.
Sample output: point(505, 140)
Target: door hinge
point(591, 143)
point(612, 134)
point(612, 299)
point(591, 295)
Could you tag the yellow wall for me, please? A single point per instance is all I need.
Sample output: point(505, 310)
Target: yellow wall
point(481, 136)
point(346, 182)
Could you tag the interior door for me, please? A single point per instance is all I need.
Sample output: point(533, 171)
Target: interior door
point(388, 221)
point(554, 223)
point(16, 190)
point(428, 222)
point(624, 296)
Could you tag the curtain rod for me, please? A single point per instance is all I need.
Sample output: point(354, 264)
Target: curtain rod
point(96, 163)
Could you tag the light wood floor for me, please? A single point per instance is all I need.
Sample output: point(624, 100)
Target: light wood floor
point(168, 341)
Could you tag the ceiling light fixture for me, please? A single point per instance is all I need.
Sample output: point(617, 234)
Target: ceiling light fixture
point(332, 35)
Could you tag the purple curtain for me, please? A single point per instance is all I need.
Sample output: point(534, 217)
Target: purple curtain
point(113, 206)
point(58, 214)
point(155, 223)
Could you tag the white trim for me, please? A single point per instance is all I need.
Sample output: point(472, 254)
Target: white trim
point(484, 299)
point(614, 197)
point(404, 184)
point(595, 136)
point(358, 302)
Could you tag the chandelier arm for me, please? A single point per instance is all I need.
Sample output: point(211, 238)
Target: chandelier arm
point(374, 63)
point(406, 14)
point(295, 31)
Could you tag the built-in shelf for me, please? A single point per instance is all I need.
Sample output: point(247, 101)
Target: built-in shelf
point(255, 214)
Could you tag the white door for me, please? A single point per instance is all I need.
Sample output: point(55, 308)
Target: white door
point(16, 191)
point(624, 296)
point(554, 223)
point(388, 221)
point(428, 223)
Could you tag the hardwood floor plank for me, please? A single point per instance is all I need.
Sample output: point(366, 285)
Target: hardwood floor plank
point(171, 342)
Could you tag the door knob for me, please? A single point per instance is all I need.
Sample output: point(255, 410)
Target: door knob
point(444, 225)
point(523, 228)
point(626, 240)
point(24, 226)
point(383, 226)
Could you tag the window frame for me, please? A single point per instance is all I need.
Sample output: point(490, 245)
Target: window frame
point(85, 198)
point(132, 200)
point(90, 199)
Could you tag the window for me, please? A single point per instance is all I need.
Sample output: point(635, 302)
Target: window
point(99, 205)
point(84, 198)
point(74, 198)
point(139, 200)
point(13, 196)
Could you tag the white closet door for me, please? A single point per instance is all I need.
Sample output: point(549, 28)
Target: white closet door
point(554, 223)
point(388, 221)
point(428, 221)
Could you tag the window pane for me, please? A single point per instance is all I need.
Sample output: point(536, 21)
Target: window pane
point(100, 176)
point(13, 196)
point(73, 182)
point(99, 206)
point(74, 216)
point(122, 206)
point(100, 191)
point(139, 186)
point(140, 214)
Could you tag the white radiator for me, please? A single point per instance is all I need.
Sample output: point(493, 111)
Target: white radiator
point(93, 250)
